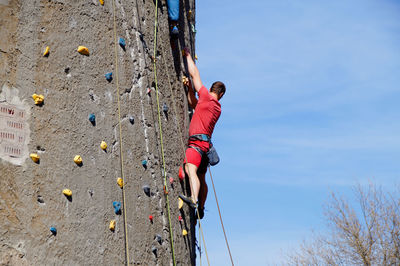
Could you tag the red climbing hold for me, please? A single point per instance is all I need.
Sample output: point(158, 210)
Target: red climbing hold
point(181, 174)
point(151, 218)
point(180, 218)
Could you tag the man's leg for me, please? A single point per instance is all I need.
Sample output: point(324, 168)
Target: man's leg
point(203, 190)
point(194, 181)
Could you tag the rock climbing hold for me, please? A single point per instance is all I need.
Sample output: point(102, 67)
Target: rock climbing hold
point(180, 203)
point(148, 91)
point(78, 159)
point(38, 98)
point(185, 80)
point(144, 163)
point(175, 30)
point(35, 157)
point(165, 190)
point(132, 120)
point(108, 76)
point(103, 145)
point(112, 225)
point(190, 13)
point(92, 119)
point(120, 182)
point(101, 2)
point(158, 238)
point(117, 207)
point(193, 29)
point(154, 250)
point(122, 42)
point(171, 180)
point(67, 192)
point(146, 190)
point(181, 174)
point(83, 50)
point(184, 232)
point(46, 51)
point(151, 218)
point(180, 218)
point(195, 57)
point(53, 230)
point(165, 108)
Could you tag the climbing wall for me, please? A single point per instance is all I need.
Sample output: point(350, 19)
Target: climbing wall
point(74, 111)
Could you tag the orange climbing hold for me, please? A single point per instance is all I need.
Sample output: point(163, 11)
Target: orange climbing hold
point(112, 225)
point(35, 157)
point(46, 51)
point(38, 98)
point(78, 159)
point(120, 182)
point(83, 50)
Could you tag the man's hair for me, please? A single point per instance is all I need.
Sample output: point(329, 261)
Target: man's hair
point(218, 87)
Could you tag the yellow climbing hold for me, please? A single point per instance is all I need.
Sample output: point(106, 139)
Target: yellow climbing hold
point(38, 98)
point(35, 157)
point(184, 232)
point(78, 159)
point(46, 51)
point(180, 203)
point(83, 50)
point(195, 57)
point(101, 2)
point(103, 145)
point(112, 225)
point(120, 182)
point(67, 192)
point(190, 15)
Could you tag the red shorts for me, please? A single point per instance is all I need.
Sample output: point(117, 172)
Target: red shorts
point(194, 157)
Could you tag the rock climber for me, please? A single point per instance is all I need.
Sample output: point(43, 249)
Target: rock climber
point(173, 14)
point(207, 110)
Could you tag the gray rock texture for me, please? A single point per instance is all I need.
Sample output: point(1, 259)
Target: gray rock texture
point(74, 86)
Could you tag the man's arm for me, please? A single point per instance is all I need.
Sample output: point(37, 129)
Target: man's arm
point(192, 100)
point(193, 71)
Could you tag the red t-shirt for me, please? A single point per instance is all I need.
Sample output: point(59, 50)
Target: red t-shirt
point(205, 116)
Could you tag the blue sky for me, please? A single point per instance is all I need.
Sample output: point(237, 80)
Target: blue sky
point(312, 106)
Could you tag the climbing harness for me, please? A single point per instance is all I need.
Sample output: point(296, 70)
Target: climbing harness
point(120, 137)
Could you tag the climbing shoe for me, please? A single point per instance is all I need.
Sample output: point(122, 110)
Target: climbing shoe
point(188, 201)
point(175, 30)
point(201, 213)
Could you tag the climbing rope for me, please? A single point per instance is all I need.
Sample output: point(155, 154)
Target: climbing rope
point(160, 128)
point(220, 216)
point(183, 148)
point(120, 138)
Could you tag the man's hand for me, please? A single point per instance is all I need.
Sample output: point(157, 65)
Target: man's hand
point(193, 71)
point(186, 51)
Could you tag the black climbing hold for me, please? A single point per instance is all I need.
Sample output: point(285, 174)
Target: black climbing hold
point(108, 76)
point(165, 108)
point(53, 230)
point(122, 42)
point(154, 250)
point(40, 199)
point(117, 207)
point(158, 238)
point(132, 120)
point(146, 190)
point(92, 119)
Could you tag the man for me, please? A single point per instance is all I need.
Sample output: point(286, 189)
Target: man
point(207, 110)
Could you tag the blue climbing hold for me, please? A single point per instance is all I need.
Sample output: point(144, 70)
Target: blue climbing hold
point(92, 118)
point(53, 230)
point(117, 207)
point(144, 163)
point(175, 30)
point(158, 238)
point(108, 76)
point(122, 42)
